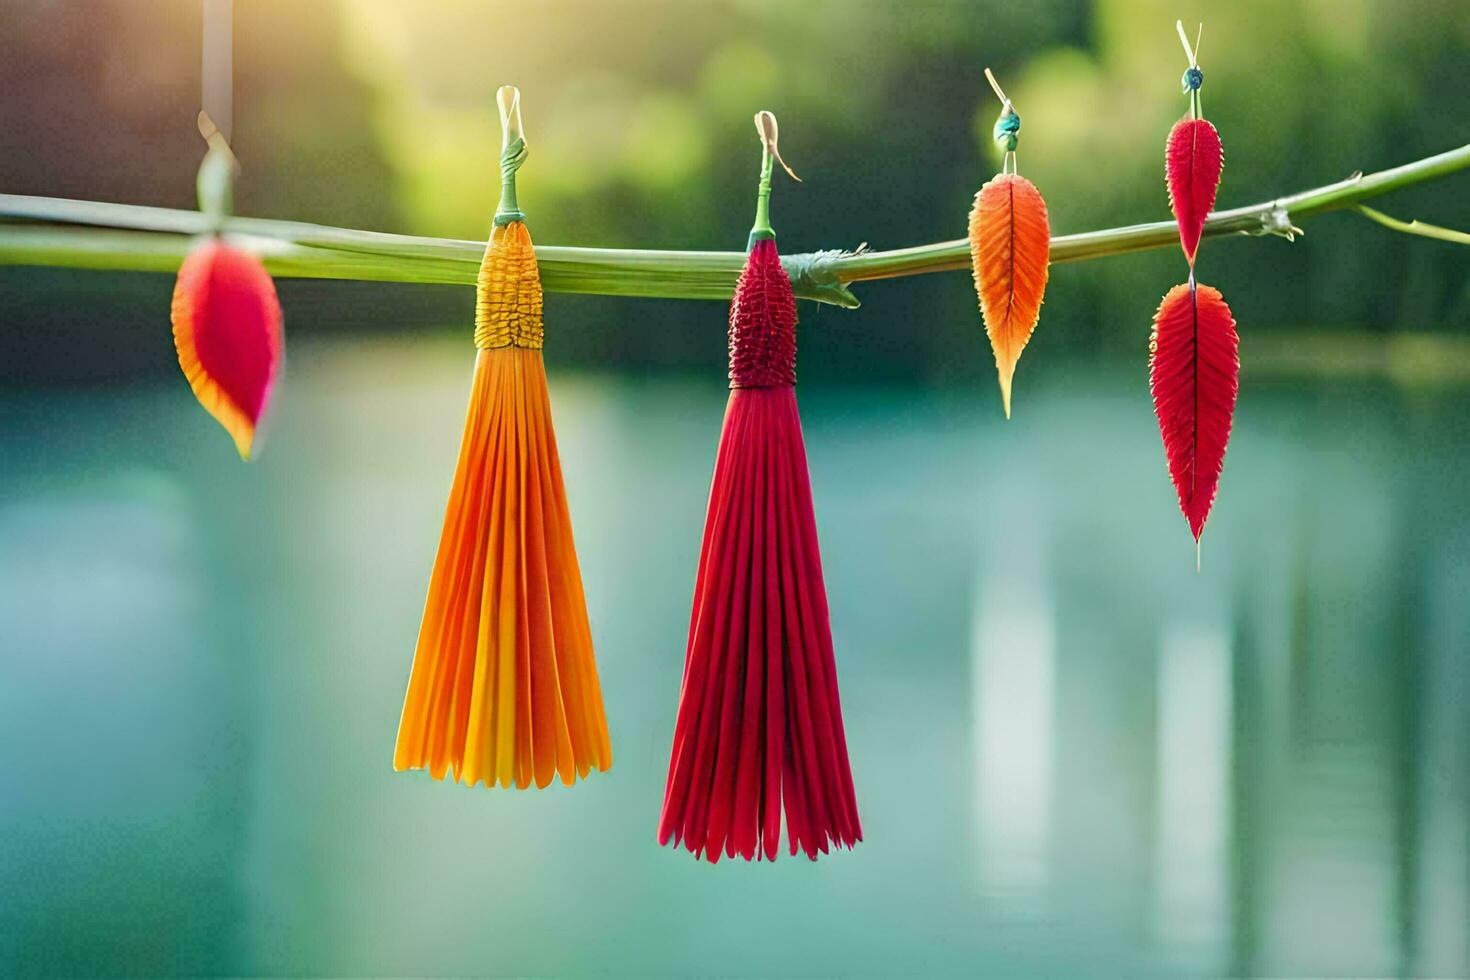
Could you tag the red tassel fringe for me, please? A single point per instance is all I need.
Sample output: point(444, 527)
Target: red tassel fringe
point(759, 730)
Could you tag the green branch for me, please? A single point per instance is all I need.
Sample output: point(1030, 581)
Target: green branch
point(92, 235)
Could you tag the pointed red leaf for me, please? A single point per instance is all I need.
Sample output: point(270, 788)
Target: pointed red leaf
point(1194, 373)
point(1193, 159)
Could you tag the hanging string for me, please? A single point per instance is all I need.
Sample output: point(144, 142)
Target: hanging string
point(1193, 78)
point(216, 76)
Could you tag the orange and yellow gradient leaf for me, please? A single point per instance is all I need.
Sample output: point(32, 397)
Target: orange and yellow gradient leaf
point(1010, 248)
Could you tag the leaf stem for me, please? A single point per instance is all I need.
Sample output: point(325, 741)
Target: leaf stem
point(93, 235)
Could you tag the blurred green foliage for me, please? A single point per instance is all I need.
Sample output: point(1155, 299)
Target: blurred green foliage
point(380, 114)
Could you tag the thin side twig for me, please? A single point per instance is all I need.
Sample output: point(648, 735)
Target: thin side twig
point(1414, 227)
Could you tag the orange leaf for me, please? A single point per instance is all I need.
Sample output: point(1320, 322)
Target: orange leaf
point(1010, 246)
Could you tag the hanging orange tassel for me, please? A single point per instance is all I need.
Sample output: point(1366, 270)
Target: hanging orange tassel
point(504, 686)
point(1010, 249)
point(759, 732)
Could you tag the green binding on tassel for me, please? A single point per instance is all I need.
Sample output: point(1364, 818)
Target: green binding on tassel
point(765, 125)
point(512, 154)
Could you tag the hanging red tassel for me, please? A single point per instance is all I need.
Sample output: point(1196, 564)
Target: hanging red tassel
point(1194, 374)
point(227, 332)
point(759, 731)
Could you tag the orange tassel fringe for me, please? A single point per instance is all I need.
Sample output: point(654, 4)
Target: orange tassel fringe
point(504, 686)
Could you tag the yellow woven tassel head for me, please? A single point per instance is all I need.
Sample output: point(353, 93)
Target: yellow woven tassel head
point(508, 291)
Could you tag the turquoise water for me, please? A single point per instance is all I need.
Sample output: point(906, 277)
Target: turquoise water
point(1073, 754)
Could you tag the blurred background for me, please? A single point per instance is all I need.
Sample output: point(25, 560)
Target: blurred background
point(1073, 754)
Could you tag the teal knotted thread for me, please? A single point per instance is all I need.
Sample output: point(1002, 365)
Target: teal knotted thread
point(1007, 130)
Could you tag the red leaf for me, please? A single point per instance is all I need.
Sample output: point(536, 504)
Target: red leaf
point(1193, 159)
point(227, 331)
point(1194, 373)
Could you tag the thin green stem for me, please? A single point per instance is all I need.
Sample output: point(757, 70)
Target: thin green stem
point(761, 229)
point(1414, 227)
point(91, 235)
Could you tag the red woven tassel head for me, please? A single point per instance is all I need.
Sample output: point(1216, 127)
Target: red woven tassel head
point(763, 322)
point(227, 331)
